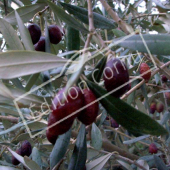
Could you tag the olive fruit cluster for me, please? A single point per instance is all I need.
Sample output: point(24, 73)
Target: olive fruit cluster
point(159, 107)
point(24, 150)
point(75, 100)
point(116, 77)
point(55, 36)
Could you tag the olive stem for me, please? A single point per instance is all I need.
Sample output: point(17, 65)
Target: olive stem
point(108, 146)
point(117, 156)
point(115, 17)
point(143, 81)
point(147, 15)
point(9, 118)
point(123, 134)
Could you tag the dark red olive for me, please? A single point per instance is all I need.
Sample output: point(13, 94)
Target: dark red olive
point(153, 148)
point(60, 110)
point(40, 45)
point(35, 32)
point(55, 34)
point(89, 114)
point(116, 75)
point(14, 160)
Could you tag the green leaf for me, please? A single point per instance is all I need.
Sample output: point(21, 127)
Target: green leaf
point(79, 156)
point(47, 39)
point(26, 13)
point(59, 149)
point(26, 2)
point(82, 14)
point(10, 36)
point(118, 33)
point(73, 40)
point(9, 110)
point(98, 163)
point(66, 17)
point(31, 164)
point(15, 127)
point(96, 74)
point(128, 142)
point(31, 81)
point(25, 35)
point(142, 163)
point(144, 92)
point(159, 163)
point(132, 119)
point(157, 43)
point(8, 168)
point(17, 83)
point(159, 3)
point(124, 164)
point(96, 137)
point(20, 63)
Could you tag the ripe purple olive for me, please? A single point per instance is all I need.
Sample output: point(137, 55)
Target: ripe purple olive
point(24, 150)
point(160, 107)
point(51, 137)
point(153, 148)
point(114, 124)
point(55, 34)
point(35, 32)
point(14, 160)
point(152, 107)
point(89, 114)
point(164, 78)
point(73, 102)
point(40, 45)
point(116, 75)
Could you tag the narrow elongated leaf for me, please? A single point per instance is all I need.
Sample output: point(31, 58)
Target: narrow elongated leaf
point(96, 74)
point(14, 127)
point(4, 91)
point(159, 163)
point(118, 33)
point(153, 41)
point(59, 149)
point(66, 17)
point(96, 137)
point(125, 164)
point(79, 156)
point(17, 83)
point(31, 164)
point(10, 36)
point(82, 14)
point(31, 81)
point(25, 35)
point(36, 157)
point(26, 13)
point(159, 3)
point(20, 63)
point(126, 115)
point(8, 168)
point(136, 139)
point(98, 163)
point(144, 164)
point(73, 40)
point(9, 110)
